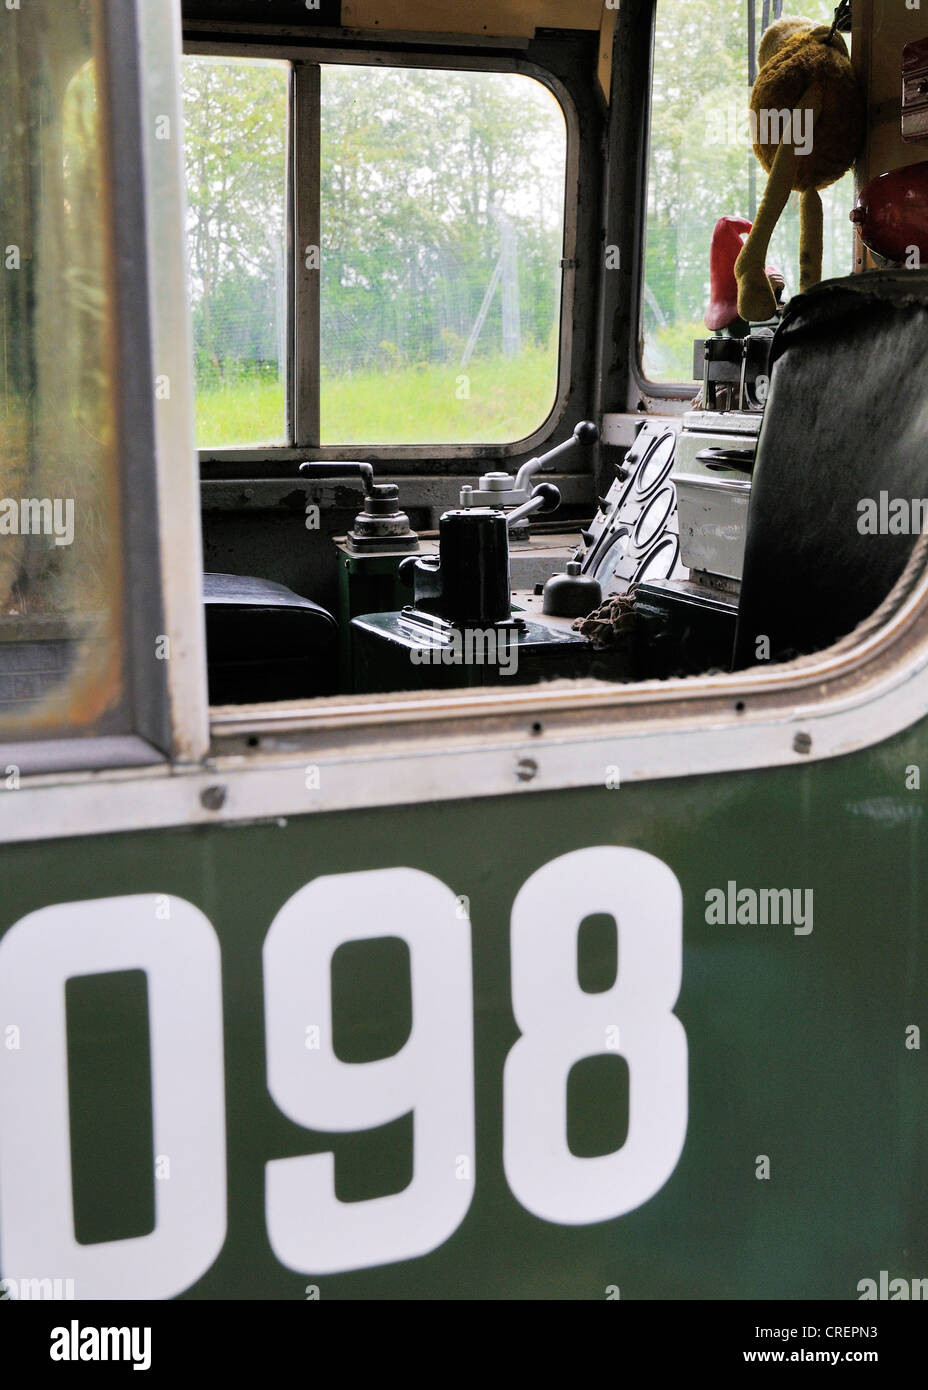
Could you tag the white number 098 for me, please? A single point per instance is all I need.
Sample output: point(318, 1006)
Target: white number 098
point(431, 1075)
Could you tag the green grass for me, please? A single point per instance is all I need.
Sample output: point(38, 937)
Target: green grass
point(416, 405)
point(248, 412)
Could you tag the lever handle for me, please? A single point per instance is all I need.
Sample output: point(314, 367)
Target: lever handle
point(545, 498)
point(724, 460)
point(343, 470)
point(585, 434)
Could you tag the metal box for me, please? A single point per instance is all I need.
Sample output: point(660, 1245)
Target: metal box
point(713, 522)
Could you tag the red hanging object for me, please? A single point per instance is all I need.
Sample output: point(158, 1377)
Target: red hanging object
point(727, 241)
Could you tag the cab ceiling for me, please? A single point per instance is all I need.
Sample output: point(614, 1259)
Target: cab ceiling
point(498, 18)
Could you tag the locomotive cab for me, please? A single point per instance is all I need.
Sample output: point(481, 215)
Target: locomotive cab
point(646, 529)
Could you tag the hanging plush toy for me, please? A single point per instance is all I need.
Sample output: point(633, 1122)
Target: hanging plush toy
point(808, 121)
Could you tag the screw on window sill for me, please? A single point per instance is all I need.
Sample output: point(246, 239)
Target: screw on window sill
point(213, 798)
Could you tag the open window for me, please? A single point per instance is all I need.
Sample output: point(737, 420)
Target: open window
point(426, 201)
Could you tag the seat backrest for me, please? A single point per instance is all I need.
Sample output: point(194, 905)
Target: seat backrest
point(844, 437)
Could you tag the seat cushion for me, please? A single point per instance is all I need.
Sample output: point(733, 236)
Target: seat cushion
point(264, 642)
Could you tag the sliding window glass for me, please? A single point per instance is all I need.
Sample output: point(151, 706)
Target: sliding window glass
point(61, 665)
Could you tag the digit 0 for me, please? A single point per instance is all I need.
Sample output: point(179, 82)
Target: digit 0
point(180, 955)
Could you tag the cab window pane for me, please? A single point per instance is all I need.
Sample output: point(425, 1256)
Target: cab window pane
point(60, 543)
point(442, 233)
point(702, 167)
point(235, 137)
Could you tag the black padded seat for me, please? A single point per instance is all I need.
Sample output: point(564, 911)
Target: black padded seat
point(264, 642)
point(846, 420)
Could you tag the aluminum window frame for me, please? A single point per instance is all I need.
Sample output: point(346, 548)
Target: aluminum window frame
point(304, 223)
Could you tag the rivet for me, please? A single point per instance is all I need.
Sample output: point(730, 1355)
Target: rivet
point(213, 798)
point(802, 743)
point(526, 769)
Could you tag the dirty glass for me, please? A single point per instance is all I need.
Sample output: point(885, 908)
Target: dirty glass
point(442, 210)
point(702, 167)
point(59, 508)
point(235, 139)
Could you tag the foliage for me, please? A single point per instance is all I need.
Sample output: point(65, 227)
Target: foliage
point(420, 171)
point(235, 141)
point(423, 174)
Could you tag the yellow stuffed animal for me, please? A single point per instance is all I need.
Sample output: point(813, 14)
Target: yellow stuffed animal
point(808, 121)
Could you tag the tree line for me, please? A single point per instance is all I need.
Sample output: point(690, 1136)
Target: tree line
point(424, 174)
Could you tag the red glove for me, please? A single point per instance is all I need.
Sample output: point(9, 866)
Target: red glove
point(723, 288)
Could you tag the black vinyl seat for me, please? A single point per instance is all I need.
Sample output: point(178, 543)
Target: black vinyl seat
point(264, 642)
point(846, 421)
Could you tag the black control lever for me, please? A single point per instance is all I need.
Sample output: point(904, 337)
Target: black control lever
point(380, 521)
point(545, 498)
point(350, 470)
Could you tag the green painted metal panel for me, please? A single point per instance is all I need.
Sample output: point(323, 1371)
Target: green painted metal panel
point(797, 1042)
